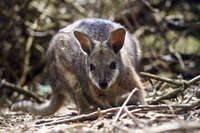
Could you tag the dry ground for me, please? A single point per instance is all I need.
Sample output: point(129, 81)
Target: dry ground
point(144, 121)
point(177, 113)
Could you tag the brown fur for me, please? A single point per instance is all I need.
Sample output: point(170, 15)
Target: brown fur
point(94, 62)
point(113, 96)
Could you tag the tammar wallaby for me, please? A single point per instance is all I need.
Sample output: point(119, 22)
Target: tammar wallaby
point(94, 61)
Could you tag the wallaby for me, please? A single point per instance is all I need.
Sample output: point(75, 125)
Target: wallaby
point(94, 61)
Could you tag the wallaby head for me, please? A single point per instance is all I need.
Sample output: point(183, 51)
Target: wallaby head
point(103, 61)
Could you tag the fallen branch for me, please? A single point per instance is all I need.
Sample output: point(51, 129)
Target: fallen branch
point(192, 105)
point(135, 111)
point(4, 83)
point(124, 105)
point(183, 85)
point(131, 116)
point(159, 78)
point(168, 96)
point(95, 115)
point(177, 82)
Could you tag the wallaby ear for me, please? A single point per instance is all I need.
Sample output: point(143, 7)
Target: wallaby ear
point(117, 38)
point(84, 41)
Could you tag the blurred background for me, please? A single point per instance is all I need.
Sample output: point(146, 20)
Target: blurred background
point(168, 31)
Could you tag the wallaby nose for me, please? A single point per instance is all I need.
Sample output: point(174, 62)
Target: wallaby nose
point(103, 84)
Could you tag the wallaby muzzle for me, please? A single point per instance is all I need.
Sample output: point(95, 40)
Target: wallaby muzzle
point(103, 84)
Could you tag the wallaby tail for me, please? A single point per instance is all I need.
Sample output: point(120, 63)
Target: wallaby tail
point(44, 109)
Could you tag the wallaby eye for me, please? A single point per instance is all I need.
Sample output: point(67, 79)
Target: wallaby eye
point(113, 65)
point(92, 67)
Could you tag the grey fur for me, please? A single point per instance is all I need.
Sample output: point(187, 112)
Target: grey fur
point(69, 72)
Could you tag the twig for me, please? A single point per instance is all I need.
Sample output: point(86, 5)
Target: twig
point(124, 104)
point(77, 7)
point(126, 21)
point(190, 98)
point(192, 105)
point(184, 84)
point(84, 117)
point(150, 7)
point(133, 111)
point(26, 67)
point(193, 81)
point(14, 87)
point(29, 44)
point(168, 96)
point(172, 81)
point(95, 115)
point(180, 59)
point(130, 114)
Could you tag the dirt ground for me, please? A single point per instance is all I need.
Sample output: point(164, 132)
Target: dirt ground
point(179, 114)
point(142, 121)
